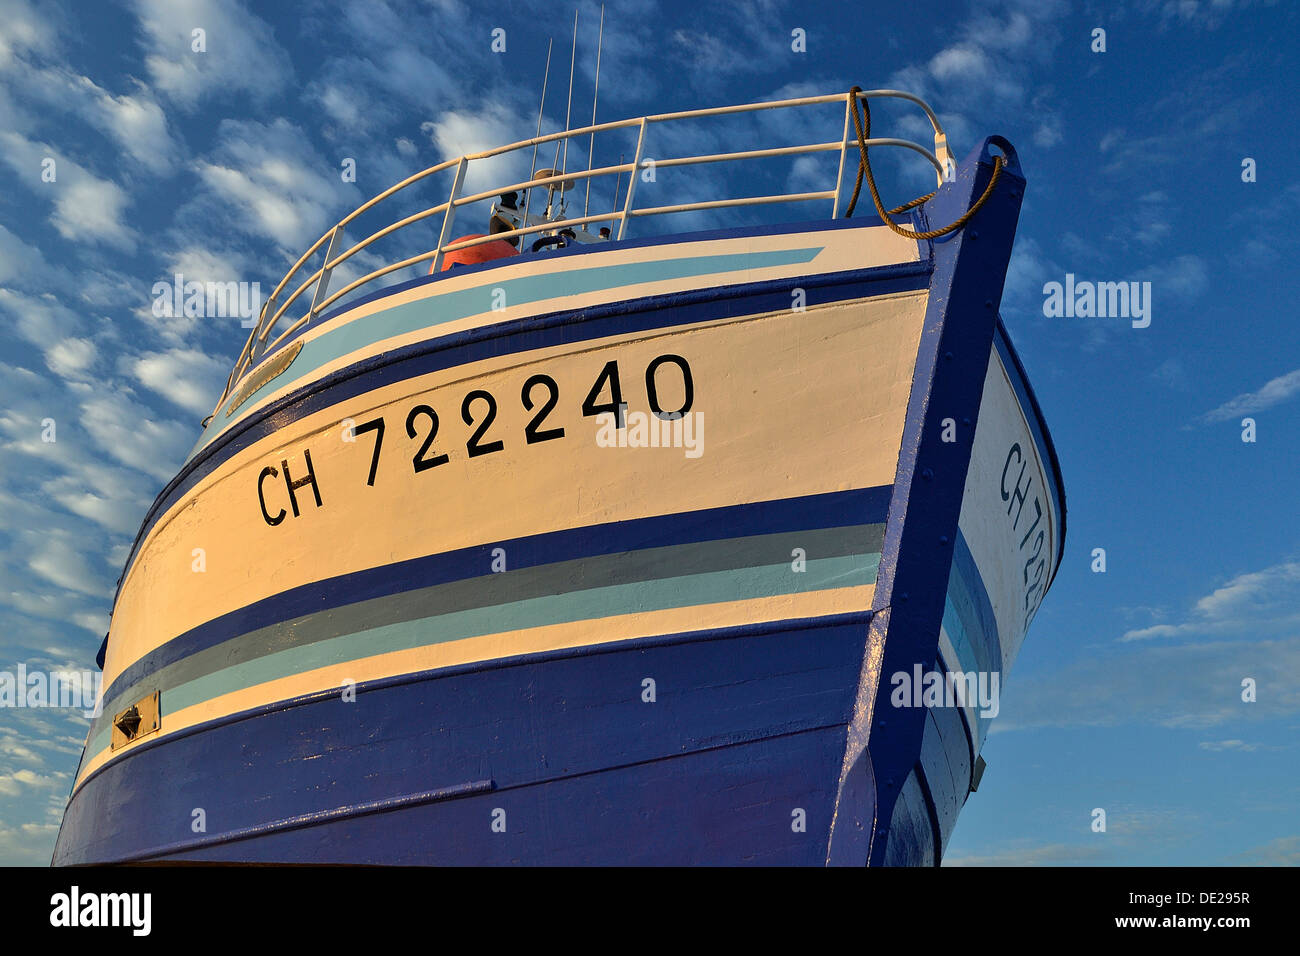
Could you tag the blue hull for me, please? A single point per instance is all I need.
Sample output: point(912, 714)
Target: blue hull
point(747, 729)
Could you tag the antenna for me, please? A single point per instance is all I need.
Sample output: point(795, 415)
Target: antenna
point(532, 166)
point(617, 176)
point(545, 79)
point(591, 146)
point(569, 111)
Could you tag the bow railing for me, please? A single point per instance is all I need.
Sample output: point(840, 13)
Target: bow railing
point(277, 306)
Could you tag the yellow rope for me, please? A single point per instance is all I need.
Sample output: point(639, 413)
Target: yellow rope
point(864, 167)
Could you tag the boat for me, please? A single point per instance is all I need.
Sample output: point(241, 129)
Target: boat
point(455, 574)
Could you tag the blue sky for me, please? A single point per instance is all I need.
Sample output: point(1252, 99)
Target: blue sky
point(225, 165)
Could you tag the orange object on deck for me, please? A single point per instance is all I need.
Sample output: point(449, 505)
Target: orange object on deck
point(485, 252)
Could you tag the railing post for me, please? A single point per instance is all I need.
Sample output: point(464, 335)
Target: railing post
point(268, 310)
point(632, 181)
point(844, 145)
point(944, 156)
point(322, 284)
point(450, 216)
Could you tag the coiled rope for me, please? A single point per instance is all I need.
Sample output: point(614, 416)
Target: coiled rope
point(864, 168)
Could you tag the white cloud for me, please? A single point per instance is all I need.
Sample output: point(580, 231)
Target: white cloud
point(28, 844)
point(1049, 133)
point(1029, 268)
point(995, 46)
point(1012, 33)
point(1155, 630)
point(1251, 602)
point(11, 747)
point(1206, 14)
point(20, 263)
point(461, 132)
point(41, 320)
point(91, 209)
point(25, 30)
point(345, 107)
point(108, 289)
point(1055, 854)
point(54, 558)
point(134, 121)
point(187, 378)
point(85, 207)
point(1283, 851)
point(32, 779)
point(1273, 392)
point(134, 434)
point(634, 50)
point(1193, 685)
point(395, 62)
point(268, 181)
point(1246, 590)
point(1191, 677)
point(1172, 373)
point(1181, 277)
point(111, 497)
point(202, 263)
point(96, 623)
point(962, 62)
point(242, 54)
point(71, 358)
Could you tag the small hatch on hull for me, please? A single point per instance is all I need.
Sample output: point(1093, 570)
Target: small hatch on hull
point(139, 720)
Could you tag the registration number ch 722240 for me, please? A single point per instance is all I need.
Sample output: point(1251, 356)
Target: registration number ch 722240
point(429, 448)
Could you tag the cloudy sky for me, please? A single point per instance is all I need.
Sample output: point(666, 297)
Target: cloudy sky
point(1166, 158)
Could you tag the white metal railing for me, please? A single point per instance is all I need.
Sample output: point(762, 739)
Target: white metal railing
point(275, 308)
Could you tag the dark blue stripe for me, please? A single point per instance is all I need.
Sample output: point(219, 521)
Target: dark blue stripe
point(521, 335)
point(836, 509)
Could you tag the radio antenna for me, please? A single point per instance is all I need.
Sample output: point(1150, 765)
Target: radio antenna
point(617, 177)
point(591, 146)
point(569, 110)
point(532, 166)
point(545, 79)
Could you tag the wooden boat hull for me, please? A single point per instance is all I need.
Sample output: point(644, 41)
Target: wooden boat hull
point(446, 581)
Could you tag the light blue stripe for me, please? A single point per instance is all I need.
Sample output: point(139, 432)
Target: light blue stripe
point(978, 652)
point(451, 306)
point(966, 662)
point(952, 623)
point(686, 591)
